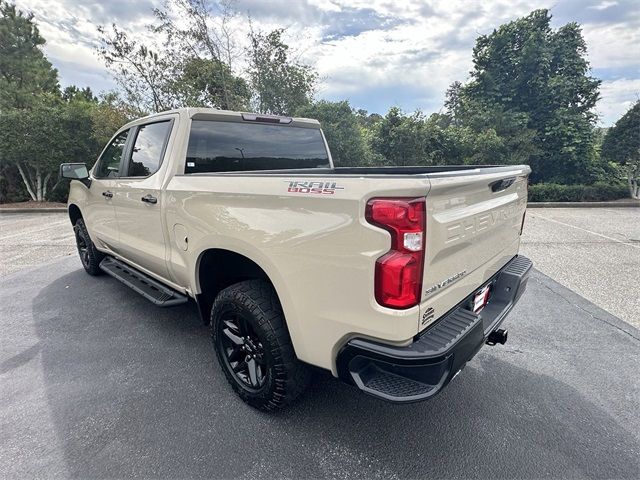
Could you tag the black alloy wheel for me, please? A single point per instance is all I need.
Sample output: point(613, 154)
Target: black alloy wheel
point(253, 346)
point(243, 350)
point(89, 254)
point(83, 248)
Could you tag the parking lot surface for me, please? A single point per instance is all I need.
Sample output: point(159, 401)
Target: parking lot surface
point(96, 382)
point(30, 239)
point(593, 251)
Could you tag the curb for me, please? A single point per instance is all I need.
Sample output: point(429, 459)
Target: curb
point(625, 204)
point(33, 210)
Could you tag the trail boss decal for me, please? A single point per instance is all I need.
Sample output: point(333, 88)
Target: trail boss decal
point(313, 188)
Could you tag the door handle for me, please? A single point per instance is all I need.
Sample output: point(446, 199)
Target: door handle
point(149, 199)
point(500, 185)
point(107, 194)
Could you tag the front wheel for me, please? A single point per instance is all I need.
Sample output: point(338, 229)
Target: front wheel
point(89, 254)
point(254, 348)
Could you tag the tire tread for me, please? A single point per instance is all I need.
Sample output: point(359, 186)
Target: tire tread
point(95, 256)
point(291, 376)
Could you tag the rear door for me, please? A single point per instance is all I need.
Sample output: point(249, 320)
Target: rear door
point(474, 221)
point(138, 199)
point(100, 215)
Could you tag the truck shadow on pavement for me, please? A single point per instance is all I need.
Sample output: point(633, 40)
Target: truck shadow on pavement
point(135, 390)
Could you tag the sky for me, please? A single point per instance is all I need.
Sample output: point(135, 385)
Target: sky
point(374, 53)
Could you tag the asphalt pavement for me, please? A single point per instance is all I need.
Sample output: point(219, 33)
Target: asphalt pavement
point(28, 239)
point(96, 382)
point(593, 251)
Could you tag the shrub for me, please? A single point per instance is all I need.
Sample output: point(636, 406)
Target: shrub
point(599, 191)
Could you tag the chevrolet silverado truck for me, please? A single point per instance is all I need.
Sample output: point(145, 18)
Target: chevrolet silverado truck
point(392, 278)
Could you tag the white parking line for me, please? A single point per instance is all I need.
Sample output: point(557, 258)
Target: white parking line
point(585, 230)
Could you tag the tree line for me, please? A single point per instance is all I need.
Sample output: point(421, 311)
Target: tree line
point(530, 99)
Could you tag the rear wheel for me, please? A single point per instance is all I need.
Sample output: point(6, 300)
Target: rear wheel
point(89, 255)
point(254, 348)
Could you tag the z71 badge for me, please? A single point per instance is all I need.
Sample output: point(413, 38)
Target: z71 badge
point(313, 188)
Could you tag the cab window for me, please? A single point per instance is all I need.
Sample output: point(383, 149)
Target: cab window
point(148, 149)
point(237, 146)
point(109, 162)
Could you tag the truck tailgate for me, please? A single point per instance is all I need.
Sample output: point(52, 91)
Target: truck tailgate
point(474, 219)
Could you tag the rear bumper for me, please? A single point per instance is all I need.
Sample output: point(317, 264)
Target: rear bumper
point(422, 369)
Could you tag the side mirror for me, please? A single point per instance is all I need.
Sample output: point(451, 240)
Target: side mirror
point(75, 171)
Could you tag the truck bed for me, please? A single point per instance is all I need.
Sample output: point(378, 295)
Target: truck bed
point(431, 170)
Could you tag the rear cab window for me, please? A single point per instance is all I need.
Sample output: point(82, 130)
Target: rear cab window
point(216, 146)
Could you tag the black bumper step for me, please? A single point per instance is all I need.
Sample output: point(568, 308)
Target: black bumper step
point(389, 386)
point(146, 286)
point(433, 343)
point(422, 369)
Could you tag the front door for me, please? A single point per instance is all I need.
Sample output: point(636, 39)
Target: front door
point(138, 199)
point(100, 216)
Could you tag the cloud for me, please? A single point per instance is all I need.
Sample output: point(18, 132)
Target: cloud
point(351, 22)
point(70, 29)
point(615, 73)
point(100, 12)
point(381, 98)
point(335, 21)
point(596, 11)
point(618, 96)
point(83, 74)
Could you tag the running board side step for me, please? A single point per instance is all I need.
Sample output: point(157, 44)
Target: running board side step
point(146, 286)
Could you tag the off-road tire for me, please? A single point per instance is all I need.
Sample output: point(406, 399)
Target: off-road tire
point(256, 302)
point(89, 255)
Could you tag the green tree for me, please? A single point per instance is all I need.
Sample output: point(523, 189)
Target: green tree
point(107, 116)
point(416, 140)
point(453, 103)
point(530, 83)
point(188, 61)
point(507, 129)
point(63, 134)
point(341, 129)
point(142, 74)
point(281, 85)
point(200, 40)
point(25, 73)
point(367, 120)
point(400, 138)
point(208, 82)
point(621, 145)
point(72, 93)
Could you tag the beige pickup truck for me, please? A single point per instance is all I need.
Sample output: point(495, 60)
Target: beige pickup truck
point(391, 278)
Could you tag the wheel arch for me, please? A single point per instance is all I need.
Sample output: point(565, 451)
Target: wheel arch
point(74, 213)
point(219, 268)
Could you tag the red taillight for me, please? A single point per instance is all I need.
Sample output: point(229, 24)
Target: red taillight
point(398, 277)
